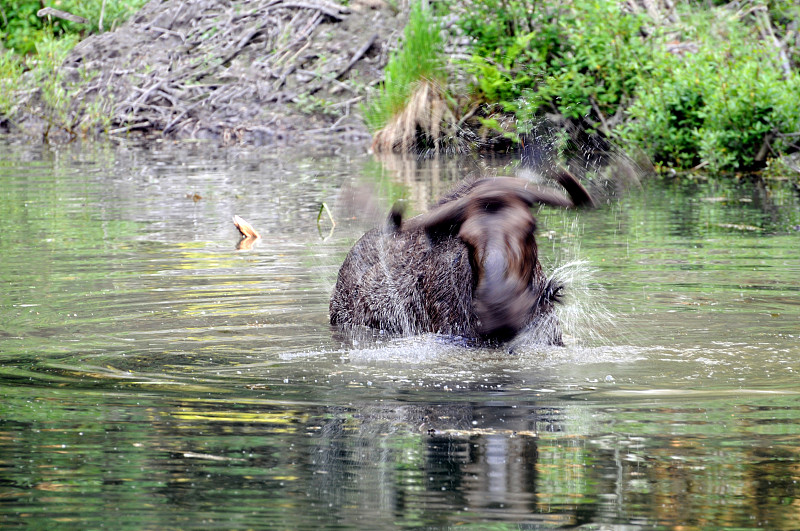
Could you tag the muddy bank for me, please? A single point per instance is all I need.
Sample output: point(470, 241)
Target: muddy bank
point(252, 72)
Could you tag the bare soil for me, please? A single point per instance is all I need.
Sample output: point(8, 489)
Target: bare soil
point(245, 71)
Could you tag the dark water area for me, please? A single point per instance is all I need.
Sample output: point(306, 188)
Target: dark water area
point(154, 377)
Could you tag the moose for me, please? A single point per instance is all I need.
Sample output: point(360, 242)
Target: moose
point(469, 267)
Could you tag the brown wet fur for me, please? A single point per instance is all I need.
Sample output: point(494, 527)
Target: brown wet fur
point(468, 268)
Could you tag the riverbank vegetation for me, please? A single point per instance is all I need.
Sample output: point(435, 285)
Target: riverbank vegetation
point(251, 72)
point(409, 110)
point(34, 44)
point(693, 85)
point(22, 29)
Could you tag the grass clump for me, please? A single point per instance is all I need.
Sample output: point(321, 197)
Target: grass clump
point(412, 108)
point(11, 69)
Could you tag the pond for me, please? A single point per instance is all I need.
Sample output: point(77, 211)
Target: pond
point(155, 377)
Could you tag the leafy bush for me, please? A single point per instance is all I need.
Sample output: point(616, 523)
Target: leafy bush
point(19, 25)
point(723, 101)
point(555, 55)
point(724, 106)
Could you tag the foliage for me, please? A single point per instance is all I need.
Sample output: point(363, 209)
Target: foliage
point(19, 25)
point(10, 72)
point(55, 105)
point(725, 106)
point(419, 58)
point(33, 52)
point(555, 55)
point(54, 96)
point(21, 29)
point(723, 100)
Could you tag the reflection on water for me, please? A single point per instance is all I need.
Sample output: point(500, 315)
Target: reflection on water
point(153, 374)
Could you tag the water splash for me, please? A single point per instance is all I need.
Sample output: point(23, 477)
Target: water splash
point(584, 313)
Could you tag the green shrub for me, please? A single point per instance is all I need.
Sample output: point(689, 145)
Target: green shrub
point(718, 106)
point(19, 25)
point(724, 102)
point(555, 55)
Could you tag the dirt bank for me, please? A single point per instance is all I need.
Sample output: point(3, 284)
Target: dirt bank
point(250, 71)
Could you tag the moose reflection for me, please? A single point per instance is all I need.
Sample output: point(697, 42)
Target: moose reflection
point(467, 268)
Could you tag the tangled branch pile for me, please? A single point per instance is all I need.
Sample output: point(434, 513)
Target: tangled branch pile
point(251, 71)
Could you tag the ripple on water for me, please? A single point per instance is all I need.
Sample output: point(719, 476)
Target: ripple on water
point(151, 371)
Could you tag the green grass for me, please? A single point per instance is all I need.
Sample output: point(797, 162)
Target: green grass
point(11, 69)
point(419, 58)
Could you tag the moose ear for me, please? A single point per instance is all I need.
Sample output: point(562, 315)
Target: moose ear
point(495, 193)
point(580, 197)
point(446, 218)
point(396, 217)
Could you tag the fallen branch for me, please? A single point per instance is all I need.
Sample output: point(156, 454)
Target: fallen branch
point(335, 12)
point(765, 147)
point(102, 16)
point(249, 234)
point(142, 125)
point(187, 110)
point(225, 67)
point(245, 228)
point(49, 11)
point(765, 26)
point(360, 53)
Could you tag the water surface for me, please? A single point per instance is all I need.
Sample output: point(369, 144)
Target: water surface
point(155, 377)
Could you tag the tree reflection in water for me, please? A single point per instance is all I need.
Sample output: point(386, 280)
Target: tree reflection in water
point(524, 463)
